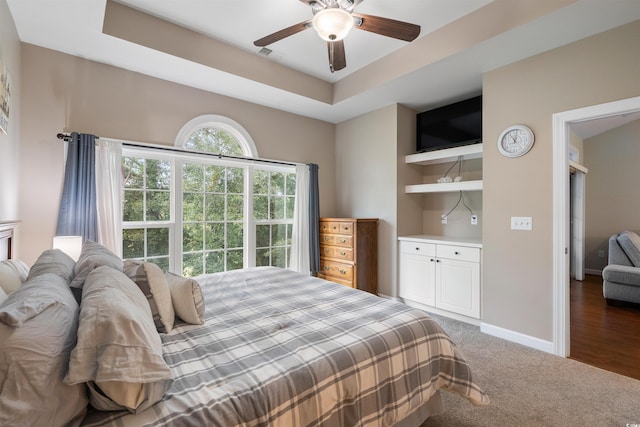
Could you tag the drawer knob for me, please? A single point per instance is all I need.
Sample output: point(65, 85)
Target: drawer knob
point(457, 253)
point(343, 240)
point(343, 253)
point(342, 271)
point(326, 239)
point(326, 250)
point(417, 249)
point(326, 268)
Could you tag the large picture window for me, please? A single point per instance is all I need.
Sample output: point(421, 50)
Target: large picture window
point(196, 214)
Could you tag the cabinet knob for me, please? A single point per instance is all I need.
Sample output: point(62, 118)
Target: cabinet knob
point(432, 259)
point(417, 249)
point(437, 260)
point(457, 253)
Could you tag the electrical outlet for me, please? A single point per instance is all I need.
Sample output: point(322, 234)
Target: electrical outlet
point(521, 223)
point(443, 219)
point(474, 219)
point(601, 253)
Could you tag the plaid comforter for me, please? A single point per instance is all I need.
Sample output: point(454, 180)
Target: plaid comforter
point(283, 349)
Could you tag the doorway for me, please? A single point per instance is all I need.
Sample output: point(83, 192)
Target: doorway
point(561, 222)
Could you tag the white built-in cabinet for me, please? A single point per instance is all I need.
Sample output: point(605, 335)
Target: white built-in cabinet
point(437, 273)
point(441, 273)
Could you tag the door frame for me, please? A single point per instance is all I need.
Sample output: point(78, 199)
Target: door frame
point(561, 222)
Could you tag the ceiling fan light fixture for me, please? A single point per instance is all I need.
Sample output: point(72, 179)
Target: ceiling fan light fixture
point(332, 24)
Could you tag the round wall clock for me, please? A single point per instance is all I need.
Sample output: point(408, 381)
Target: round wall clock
point(515, 141)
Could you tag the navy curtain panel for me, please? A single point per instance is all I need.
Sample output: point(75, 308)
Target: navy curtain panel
point(78, 213)
point(314, 219)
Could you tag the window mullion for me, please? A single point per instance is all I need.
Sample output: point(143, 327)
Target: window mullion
point(249, 223)
point(176, 255)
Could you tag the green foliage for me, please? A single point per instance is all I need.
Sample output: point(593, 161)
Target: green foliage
point(214, 140)
point(213, 211)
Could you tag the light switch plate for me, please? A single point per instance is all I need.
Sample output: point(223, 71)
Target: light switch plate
point(521, 223)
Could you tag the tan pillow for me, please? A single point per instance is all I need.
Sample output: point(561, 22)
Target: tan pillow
point(187, 299)
point(153, 284)
point(129, 395)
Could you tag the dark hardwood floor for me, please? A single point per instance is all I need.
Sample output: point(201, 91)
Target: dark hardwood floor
point(603, 335)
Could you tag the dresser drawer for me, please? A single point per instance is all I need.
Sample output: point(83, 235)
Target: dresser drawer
point(418, 248)
point(462, 253)
point(348, 283)
point(336, 227)
point(336, 240)
point(336, 252)
point(336, 269)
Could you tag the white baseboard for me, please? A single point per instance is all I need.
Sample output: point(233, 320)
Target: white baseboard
point(594, 272)
point(517, 337)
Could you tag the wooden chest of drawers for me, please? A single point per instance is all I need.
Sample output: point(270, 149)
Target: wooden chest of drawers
point(349, 252)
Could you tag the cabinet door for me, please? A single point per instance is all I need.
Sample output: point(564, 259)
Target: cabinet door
point(458, 286)
point(417, 278)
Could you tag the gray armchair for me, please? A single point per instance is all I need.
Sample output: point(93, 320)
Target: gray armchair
point(622, 274)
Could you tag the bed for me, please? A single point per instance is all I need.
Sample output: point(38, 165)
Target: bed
point(278, 348)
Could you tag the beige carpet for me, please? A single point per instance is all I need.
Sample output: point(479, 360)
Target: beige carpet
point(531, 388)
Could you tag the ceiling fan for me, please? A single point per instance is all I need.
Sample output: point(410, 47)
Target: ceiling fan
point(333, 19)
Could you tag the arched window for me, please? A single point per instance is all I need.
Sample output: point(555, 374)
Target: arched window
point(216, 134)
point(196, 214)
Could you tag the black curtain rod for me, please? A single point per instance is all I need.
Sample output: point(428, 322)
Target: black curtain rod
point(67, 137)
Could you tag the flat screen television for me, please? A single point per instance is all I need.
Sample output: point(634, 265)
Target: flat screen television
point(450, 126)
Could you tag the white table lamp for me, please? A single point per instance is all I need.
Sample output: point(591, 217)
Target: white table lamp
point(70, 245)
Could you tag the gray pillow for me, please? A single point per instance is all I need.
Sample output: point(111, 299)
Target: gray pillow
point(630, 244)
point(35, 354)
point(53, 261)
point(118, 344)
point(93, 255)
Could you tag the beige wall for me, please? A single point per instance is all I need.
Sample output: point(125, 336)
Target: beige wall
point(65, 93)
point(612, 202)
point(367, 178)
point(10, 142)
point(434, 205)
point(517, 265)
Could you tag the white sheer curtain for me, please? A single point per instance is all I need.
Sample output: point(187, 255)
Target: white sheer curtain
point(299, 260)
point(108, 192)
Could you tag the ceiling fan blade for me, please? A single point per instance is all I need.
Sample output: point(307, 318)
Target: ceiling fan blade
point(285, 32)
point(337, 59)
point(388, 27)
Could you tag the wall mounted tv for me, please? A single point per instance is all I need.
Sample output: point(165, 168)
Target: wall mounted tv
point(450, 126)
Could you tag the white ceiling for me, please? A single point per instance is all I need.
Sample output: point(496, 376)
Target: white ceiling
point(75, 27)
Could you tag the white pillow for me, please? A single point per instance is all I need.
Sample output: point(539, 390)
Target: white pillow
point(3, 295)
point(13, 273)
point(187, 299)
